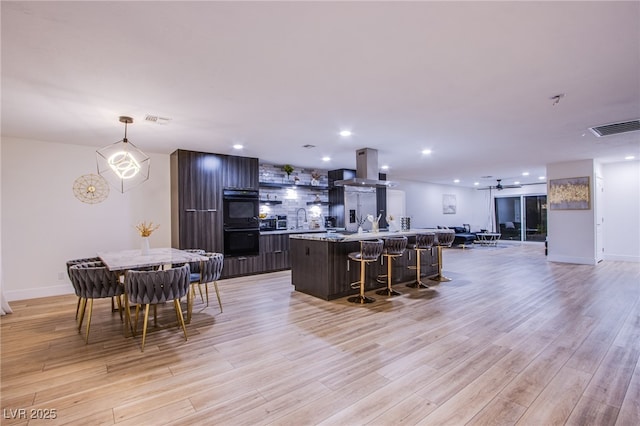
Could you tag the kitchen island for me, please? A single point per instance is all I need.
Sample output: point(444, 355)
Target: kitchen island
point(320, 266)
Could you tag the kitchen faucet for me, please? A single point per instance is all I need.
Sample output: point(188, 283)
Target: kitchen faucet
point(297, 214)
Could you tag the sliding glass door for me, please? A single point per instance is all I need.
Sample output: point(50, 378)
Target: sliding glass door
point(508, 218)
point(522, 218)
point(535, 208)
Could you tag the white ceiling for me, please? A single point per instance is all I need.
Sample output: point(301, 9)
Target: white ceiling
point(471, 81)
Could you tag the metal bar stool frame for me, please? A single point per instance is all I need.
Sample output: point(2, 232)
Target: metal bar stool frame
point(369, 252)
point(423, 242)
point(443, 239)
point(393, 247)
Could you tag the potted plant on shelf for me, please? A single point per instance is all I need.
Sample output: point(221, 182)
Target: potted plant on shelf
point(288, 169)
point(315, 177)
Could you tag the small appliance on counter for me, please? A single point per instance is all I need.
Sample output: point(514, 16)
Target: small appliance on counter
point(329, 222)
point(281, 222)
point(268, 224)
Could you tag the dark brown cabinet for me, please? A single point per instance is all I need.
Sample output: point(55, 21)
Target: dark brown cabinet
point(197, 181)
point(240, 172)
point(274, 256)
point(242, 265)
point(196, 200)
point(274, 250)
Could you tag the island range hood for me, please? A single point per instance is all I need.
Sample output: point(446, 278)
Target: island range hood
point(366, 171)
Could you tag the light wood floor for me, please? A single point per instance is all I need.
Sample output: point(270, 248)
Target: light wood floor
point(512, 339)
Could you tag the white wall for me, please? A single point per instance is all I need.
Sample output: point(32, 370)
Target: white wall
point(44, 225)
point(424, 205)
point(571, 233)
point(621, 211)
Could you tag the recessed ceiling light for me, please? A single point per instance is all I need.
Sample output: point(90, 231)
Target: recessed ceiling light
point(525, 173)
point(326, 158)
point(476, 183)
point(542, 177)
point(426, 151)
point(629, 157)
point(345, 133)
point(385, 167)
point(516, 182)
point(456, 181)
point(238, 146)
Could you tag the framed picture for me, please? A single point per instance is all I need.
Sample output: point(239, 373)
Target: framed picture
point(569, 194)
point(449, 204)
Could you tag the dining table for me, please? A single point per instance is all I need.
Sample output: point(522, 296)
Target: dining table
point(122, 261)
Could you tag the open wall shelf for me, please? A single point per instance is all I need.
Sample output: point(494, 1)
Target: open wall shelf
point(291, 185)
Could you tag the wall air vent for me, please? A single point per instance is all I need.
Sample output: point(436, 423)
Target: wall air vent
point(615, 128)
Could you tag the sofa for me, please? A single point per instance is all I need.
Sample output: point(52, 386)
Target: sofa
point(463, 234)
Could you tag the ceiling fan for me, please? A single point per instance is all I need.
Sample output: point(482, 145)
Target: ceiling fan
point(499, 186)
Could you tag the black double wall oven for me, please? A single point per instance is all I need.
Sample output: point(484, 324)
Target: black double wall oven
point(241, 224)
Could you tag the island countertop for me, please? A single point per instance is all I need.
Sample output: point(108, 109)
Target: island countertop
point(346, 237)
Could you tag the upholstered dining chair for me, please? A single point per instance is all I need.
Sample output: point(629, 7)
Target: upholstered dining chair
point(209, 271)
point(153, 287)
point(75, 262)
point(92, 280)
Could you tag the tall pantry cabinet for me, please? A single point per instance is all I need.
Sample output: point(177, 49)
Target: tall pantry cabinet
point(197, 181)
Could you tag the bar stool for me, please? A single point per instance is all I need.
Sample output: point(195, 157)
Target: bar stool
point(423, 242)
point(444, 238)
point(369, 252)
point(393, 247)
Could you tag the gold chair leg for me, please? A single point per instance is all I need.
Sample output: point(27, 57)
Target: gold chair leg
point(176, 304)
point(190, 297)
point(215, 285)
point(83, 306)
point(144, 329)
point(200, 290)
point(206, 289)
point(127, 316)
point(78, 307)
point(86, 339)
point(155, 316)
point(134, 328)
point(119, 307)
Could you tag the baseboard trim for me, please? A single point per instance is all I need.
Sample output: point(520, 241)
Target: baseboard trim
point(571, 259)
point(621, 258)
point(34, 293)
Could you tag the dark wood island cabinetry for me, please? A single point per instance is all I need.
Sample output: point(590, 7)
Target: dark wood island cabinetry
point(320, 266)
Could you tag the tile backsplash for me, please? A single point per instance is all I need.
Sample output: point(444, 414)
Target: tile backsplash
point(294, 195)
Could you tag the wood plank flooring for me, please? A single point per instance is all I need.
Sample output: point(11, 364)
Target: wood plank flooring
point(512, 340)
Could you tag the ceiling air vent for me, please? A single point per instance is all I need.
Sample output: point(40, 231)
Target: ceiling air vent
point(157, 119)
point(616, 128)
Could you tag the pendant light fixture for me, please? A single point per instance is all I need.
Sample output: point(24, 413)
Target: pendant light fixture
point(122, 164)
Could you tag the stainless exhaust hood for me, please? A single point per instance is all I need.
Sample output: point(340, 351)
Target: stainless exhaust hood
point(366, 170)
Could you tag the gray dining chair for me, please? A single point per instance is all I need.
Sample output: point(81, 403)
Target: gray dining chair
point(209, 271)
point(72, 262)
point(92, 280)
point(153, 287)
